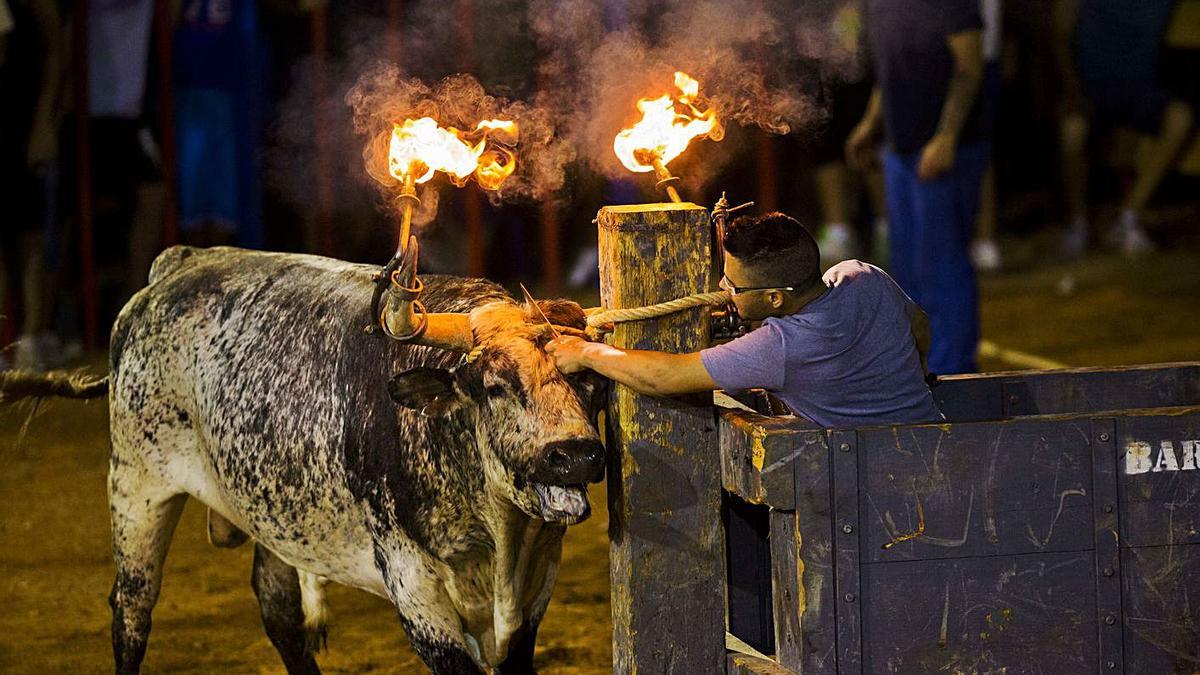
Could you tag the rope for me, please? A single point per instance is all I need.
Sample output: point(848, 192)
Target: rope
point(661, 309)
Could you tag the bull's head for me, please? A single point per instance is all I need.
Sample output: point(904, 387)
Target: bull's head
point(535, 427)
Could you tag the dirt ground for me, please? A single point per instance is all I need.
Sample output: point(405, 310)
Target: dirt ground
point(55, 566)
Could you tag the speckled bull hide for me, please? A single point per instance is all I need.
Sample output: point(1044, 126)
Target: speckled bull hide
point(247, 381)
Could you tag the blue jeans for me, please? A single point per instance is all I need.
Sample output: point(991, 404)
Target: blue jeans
point(931, 225)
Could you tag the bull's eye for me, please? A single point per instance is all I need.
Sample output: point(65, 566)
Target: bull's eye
point(496, 390)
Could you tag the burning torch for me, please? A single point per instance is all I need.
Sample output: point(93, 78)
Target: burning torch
point(417, 151)
point(668, 125)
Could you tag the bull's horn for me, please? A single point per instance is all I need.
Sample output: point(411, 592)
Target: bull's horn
point(404, 317)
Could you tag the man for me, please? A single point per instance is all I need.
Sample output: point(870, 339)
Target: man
point(1108, 57)
point(928, 65)
point(840, 351)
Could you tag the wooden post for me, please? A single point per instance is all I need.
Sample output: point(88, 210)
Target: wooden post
point(664, 490)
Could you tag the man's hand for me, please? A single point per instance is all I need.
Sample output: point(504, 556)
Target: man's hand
point(937, 157)
point(860, 147)
point(567, 352)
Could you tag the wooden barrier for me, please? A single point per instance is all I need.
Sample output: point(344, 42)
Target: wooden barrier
point(1030, 542)
point(664, 475)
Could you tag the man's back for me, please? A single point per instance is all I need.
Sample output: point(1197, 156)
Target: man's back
point(846, 358)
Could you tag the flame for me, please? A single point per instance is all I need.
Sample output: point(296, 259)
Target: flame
point(667, 126)
point(420, 148)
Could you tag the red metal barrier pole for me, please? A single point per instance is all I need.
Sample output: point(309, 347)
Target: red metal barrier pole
point(83, 174)
point(767, 198)
point(164, 40)
point(319, 35)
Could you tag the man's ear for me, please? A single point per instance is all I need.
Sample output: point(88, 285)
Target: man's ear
point(430, 390)
point(775, 299)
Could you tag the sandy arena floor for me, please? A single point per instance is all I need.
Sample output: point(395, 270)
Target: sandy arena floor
point(55, 566)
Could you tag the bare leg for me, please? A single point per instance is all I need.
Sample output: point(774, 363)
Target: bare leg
point(833, 192)
point(984, 251)
point(1152, 166)
point(277, 587)
point(1073, 133)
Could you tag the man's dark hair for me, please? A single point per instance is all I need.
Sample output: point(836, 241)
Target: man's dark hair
point(777, 246)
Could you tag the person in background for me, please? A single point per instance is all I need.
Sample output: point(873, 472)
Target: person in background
point(1108, 56)
point(841, 349)
point(985, 252)
point(928, 66)
point(219, 101)
point(32, 59)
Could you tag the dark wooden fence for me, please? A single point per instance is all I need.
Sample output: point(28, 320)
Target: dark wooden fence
point(1051, 524)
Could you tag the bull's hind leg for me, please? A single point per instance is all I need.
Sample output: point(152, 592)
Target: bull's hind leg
point(277, 586)
point(144, 514)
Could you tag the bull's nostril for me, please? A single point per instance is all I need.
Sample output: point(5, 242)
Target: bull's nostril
point(559, 459)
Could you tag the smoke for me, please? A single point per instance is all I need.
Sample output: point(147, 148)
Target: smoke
point(760, 64)
point(383, 96)
point(567, 71)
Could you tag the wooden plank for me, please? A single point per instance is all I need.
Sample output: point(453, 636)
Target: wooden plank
point(966, 398)
point(1030, 613)
point(980, 488)
point(1159, 462)
point(787, 588)
point(847, 543)
point(742, 664)
point(758, 454)
point(1161, 591)
point(667, 548)
point(1106, 541)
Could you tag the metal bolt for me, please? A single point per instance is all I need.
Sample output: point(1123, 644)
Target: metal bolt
point(1014, 399)
point(1104, 436)
point(847, 529)
point(1108, 508)
point(844, 447)
point(1112, 665)
point(1108, 571)
point(1110, 619)
point(849, 597)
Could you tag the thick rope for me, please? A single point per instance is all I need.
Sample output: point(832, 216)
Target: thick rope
point(661, 309)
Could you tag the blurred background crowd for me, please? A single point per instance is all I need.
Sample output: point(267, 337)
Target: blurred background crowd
point(131, 125)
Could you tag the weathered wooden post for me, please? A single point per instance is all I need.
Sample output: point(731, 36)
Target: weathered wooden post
point(664, 485)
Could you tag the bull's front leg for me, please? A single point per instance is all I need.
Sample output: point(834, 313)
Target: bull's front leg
point(428, 616)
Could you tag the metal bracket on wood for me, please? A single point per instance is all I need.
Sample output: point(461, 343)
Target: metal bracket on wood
point(1106, 519)
point(844, 449)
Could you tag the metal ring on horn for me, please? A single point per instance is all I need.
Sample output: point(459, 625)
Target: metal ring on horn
point(422, 324)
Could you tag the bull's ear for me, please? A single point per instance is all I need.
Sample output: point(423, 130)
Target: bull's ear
point(430, 390)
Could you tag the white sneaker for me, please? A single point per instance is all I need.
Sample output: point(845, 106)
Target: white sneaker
point(28, 355)
point(837, 242)
point(1128, 237)
point(1075, 241)
point(986, 255)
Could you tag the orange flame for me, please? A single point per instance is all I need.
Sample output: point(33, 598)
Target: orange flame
point(420, 148)
point(667, 126)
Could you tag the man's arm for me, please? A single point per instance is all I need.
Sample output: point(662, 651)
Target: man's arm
point(937, 156)
point(860, 144)
point(654, 373)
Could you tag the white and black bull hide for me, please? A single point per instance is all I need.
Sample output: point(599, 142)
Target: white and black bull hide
point(247, 380)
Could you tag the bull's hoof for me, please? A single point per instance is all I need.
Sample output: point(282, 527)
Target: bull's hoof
point(222, 533)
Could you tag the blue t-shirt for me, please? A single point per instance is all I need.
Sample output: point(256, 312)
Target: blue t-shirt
point(847, 358)
point(913, 66)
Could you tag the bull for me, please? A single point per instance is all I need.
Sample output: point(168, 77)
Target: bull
point(246, 380)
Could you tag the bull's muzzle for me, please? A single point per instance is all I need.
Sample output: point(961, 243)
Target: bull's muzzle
point(571, 462)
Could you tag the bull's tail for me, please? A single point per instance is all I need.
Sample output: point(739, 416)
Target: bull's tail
point(16, 385)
